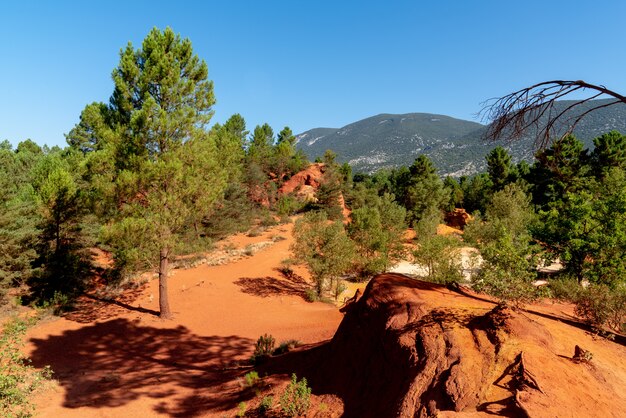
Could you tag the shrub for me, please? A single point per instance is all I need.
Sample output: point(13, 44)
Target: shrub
point(440, 255)
point(266, 404)
point(296, 399)
point(286, 346)
point(311, 295)
point(289, 205)
point(268, 220)
point(324, 247)
point(256, 231)
point(251, 379)
point(18, 379)
point(263, 348)
point(601, 306)
point(340, 286)
point(242, 408)
point(566, 288)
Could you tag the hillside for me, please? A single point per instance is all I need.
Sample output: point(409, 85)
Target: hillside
point(456, 146)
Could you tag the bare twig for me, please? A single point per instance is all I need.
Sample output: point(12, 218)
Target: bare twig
point(534, 107)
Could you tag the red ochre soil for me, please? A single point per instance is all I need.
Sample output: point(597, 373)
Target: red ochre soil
point(406, 348)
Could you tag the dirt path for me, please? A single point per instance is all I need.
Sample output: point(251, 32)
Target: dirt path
point(120, 360)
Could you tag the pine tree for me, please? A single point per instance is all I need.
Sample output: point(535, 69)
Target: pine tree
point(168, 171)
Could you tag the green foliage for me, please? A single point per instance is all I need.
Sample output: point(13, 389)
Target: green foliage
point(285, 347)
point(311, 295)
point(377, 231)
point(18, 235)
point(499, 167)
point(328, 195)
point(509, 267)
point(477, 192)
point(506, 272)
point(296, 399)
point(264, 346)
point(251, 379)
point(232, 213)
point(440, 256)
point(565, 288)
point(456, 194)
point(324, 247)
point(601, 307)
point(242, 408)
point(425, 194)
point(289, 205)
point(609, 152)
point(266, 405)
point(18, 379)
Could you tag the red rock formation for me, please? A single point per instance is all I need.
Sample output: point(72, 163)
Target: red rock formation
point(458, 218)
point(409, 348)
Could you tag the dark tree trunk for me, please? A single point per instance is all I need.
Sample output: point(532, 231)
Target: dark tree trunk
point(164, 303)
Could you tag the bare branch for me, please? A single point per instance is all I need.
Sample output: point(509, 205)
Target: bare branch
point(535, 108)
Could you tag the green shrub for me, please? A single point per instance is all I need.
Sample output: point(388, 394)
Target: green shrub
point(266, 405)
point(566, 288)
point(18, 379)
point(289, 205)
point(263, 348)
point(242, 408)
point(256, 231)
point(311, 295)
point(601, 306)
point(251, 379)
point(441, 258)
point(268, 220)
point(285, 347)
point(296, 399)
point(340, 286)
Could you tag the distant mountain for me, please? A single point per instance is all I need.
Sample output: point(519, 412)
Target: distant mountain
point(456, 146)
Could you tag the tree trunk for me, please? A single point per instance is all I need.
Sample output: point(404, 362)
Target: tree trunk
point(164, 303)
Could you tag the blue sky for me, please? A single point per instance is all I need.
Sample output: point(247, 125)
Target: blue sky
point(306, 64)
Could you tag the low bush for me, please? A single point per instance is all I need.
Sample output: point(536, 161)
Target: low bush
point(266, 405)
point(18, 379)
point(251, 379)
point(285, 347)
point(311, 295)
point(565, 288)
point(296, 399)
point(263, 348)
point(242, 408)
point(603, 307)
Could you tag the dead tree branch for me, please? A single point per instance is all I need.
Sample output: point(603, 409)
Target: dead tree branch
point(534, 108)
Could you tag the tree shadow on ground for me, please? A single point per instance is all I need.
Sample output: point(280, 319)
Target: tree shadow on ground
point(289, 283)
point(111, 363)
point(88, 307)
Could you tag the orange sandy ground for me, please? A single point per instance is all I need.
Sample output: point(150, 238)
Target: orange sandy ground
point(120, 360)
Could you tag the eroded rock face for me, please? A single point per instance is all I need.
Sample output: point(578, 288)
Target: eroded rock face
point(409, 348)
point(458, 218)
point(304, 183)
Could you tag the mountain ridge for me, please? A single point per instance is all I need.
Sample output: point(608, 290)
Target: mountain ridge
point(388, 140)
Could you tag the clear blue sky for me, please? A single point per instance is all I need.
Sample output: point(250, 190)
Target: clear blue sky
point(307, 64)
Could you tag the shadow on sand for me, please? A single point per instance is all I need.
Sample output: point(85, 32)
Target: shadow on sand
point(111, 363)
point(289, 283)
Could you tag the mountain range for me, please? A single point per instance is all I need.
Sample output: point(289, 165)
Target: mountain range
point(456, 146)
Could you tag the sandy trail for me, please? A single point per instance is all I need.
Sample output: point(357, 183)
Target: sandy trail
point(120, 360)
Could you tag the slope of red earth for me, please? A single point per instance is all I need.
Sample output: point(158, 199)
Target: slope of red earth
point(405, 348)
point(409, 348)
